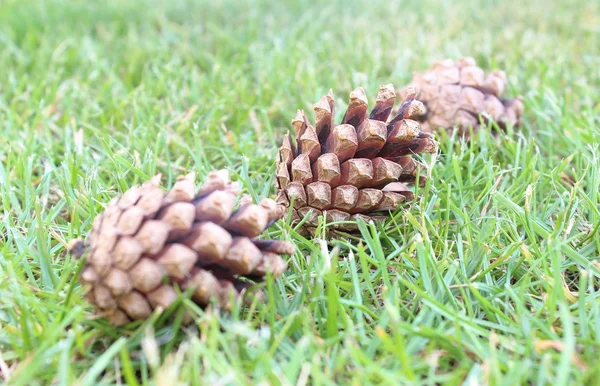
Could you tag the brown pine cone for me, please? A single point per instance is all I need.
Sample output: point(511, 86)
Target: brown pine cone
point(357, 169)
point(459, 94)
point(146, 243)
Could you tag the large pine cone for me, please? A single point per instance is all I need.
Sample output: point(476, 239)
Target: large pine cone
point(457, 94)
point(147, 242)
point(359, 168)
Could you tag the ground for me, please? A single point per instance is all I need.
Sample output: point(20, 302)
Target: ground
point(491, 277)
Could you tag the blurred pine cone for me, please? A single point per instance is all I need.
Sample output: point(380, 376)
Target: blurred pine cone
point(459, 94)
point(147, 242)
point(357, 169)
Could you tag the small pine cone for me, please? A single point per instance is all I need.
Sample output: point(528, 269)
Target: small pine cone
point(459, 94)
point(146, 243)
point(357, 169)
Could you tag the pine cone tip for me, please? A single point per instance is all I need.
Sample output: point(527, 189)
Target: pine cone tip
point(77, 248)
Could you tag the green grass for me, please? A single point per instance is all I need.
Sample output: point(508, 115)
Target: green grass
point(492, 277)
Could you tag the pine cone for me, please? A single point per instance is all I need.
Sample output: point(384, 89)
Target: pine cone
point(147, 242)
point(459, 93)
point(357, 169)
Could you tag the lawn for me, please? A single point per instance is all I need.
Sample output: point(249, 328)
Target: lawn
point(492, 277)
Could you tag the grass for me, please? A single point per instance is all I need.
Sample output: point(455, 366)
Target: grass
point(492, 277)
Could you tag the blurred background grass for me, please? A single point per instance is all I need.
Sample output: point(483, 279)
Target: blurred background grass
point(98, 95)
point(93, 64)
